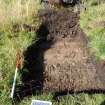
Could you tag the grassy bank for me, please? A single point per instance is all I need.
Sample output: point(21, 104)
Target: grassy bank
point(93, 23)
point(20, 12)
point(13, 36)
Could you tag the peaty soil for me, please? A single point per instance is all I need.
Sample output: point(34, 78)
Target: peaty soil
point(60, 60)
point(68, 63)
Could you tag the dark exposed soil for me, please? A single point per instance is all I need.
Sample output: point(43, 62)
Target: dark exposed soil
point(68, 63)
point(58, 3)
point(60, 60)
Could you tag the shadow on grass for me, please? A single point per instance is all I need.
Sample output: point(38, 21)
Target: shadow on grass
point(103, 103)
point(33, 66)
point(90, 92)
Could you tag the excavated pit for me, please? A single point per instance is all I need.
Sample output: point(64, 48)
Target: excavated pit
point(60, 59)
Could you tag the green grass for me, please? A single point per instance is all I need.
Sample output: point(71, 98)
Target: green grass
point(91, 23)
point(80, 99)
point(11, 41)
point(8, 49)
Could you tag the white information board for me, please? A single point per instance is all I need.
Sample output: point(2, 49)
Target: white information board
point(39, 102)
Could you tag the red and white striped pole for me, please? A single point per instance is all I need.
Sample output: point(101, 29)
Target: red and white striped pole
point(18, 67)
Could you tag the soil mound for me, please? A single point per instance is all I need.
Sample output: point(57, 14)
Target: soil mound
point(68, 63)
point(60, 59)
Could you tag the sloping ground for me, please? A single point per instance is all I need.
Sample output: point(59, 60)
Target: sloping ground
point(60, 60)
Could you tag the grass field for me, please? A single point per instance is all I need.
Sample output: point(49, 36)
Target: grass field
point(21, 12)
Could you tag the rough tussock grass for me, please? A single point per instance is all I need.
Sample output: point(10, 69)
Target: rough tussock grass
point(92, 23)
point(18, 11)
point(14, 12)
